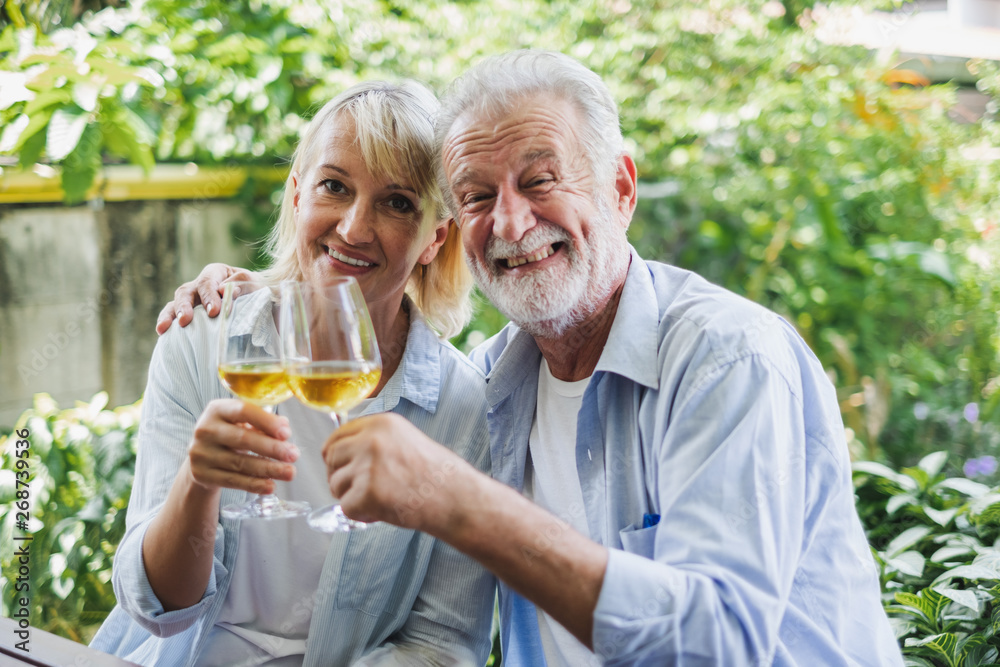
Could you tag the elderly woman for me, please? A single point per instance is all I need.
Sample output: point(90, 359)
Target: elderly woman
point(194, 589)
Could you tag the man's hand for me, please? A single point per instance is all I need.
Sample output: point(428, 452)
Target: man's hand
point(383, 468)
point(206, 289)
point(226, 431)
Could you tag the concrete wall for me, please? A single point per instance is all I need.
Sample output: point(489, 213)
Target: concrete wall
point(80, 289)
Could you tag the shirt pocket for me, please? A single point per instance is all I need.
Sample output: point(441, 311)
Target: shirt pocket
point(639, 541)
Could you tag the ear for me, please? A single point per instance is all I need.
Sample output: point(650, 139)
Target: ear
point(625, 188)
point(440, 236)
point(295, 186)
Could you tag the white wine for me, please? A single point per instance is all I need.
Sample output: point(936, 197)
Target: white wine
point(333, 386)
point(262, 383)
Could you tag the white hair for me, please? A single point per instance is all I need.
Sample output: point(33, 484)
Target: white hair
point(494, 85)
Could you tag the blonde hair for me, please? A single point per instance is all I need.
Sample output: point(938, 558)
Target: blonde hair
point(394, 124)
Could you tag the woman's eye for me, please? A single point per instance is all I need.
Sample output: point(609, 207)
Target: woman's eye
point(401, 204)
point(333, 185)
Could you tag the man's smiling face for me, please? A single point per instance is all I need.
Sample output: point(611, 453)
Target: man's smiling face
point(541, 234)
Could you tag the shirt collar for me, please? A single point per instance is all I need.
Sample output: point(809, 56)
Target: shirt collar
point(631, 349)
point(418, 377)
point(633, 342)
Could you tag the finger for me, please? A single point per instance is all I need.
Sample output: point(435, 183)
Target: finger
point(340, 482)
point(239, 274)
point(164, 319)
point(185, 313)
point(352, 490)
point(233, 480)
point(340, 451)
point(208, 293)
point(226, 421)
point(230, 462)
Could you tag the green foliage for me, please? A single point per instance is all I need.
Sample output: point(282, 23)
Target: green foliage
point(934, 539)
point(82, 461)
point(823, 181)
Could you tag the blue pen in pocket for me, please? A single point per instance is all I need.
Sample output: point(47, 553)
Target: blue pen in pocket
point(649, 520)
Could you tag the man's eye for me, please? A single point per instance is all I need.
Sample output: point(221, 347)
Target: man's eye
point(333, 185)
point(473, 199)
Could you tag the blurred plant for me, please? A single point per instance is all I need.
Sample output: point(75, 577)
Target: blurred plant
point(934, 540)
point(82, 462)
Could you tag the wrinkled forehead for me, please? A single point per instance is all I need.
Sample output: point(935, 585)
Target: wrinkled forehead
point(531, 128)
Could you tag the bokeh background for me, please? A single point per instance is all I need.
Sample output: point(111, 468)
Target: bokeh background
point(838, 163)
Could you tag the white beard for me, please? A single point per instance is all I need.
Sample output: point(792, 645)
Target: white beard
point(548, 302)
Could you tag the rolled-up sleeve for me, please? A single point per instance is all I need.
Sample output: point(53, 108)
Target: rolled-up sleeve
point(173, 400)
point(709, 584)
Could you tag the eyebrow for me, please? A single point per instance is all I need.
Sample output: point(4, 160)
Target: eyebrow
point(529, 158)
point(346, 174)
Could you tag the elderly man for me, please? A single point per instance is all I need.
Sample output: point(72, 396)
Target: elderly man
point(670, 482)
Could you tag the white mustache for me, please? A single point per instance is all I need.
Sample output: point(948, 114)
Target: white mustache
point(539, 236)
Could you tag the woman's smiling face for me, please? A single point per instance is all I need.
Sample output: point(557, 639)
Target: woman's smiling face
point(350, 222)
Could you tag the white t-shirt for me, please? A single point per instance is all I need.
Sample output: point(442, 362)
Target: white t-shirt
point(265, 617)
point(552, 482)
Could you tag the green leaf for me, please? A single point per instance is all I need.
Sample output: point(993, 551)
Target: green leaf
point(82, 165)
point(126, 134)
point(906, 539)
point(65, 130)
point(945, 644)
point(989, 558)
point(933, 463)
point(971, 572)
point(949, 552)
point(917, 661)
point(936, 264)
point(963, 597)
point(31, 150)
point(895, 503)
point(46, 99)
point(985, 510)
point(941, 517)
point(35, 123)
point(909, 562)
point(11, 133)
point(980, 656)
point(885, 472)
point(964, 486)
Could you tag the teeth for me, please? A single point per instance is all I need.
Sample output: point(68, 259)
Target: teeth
point(347, 260)
point(541, 254)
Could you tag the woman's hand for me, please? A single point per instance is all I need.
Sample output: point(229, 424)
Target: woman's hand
point(206, 289)
point(225, 434)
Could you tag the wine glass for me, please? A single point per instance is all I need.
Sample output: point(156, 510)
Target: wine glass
point(331, 359)
point(250, 366)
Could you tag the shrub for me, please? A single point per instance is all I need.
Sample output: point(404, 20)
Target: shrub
point(934, 539)
point(81, 466)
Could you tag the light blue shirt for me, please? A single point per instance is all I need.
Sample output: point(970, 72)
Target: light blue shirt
point(711, 412)
point(383, 587)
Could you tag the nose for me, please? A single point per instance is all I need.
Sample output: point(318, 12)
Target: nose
point(355, 225)
point(512, 215)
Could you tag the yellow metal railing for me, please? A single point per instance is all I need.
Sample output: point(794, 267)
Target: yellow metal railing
point(129, 183)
